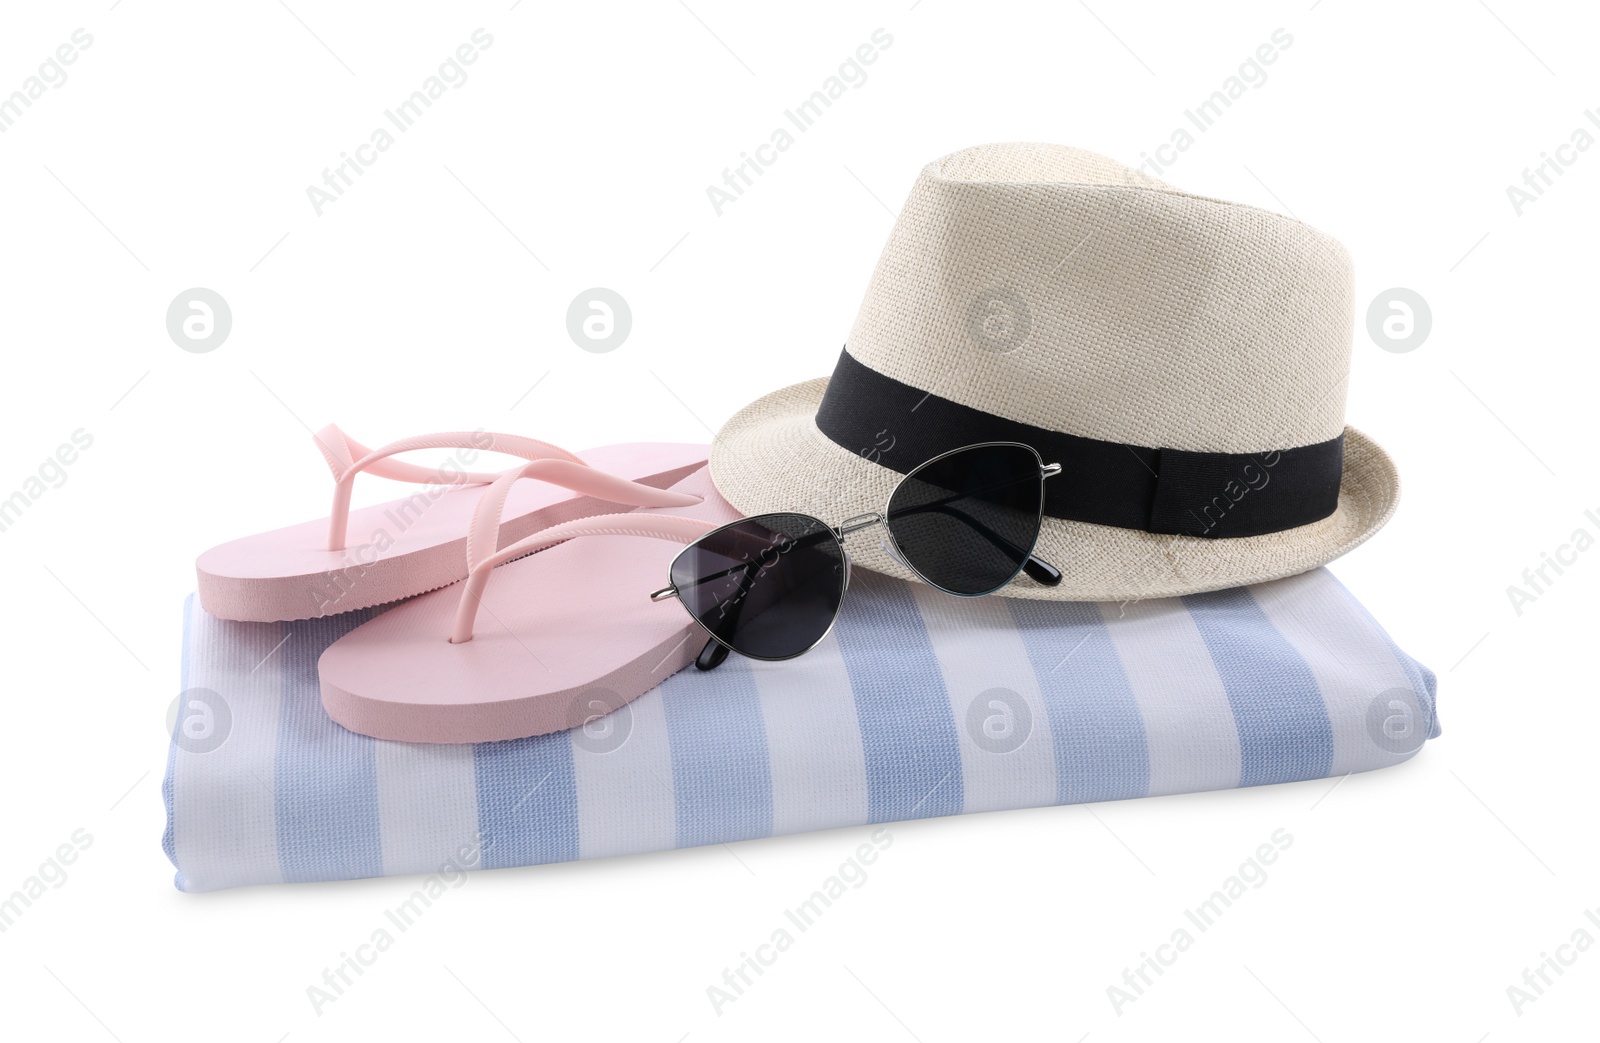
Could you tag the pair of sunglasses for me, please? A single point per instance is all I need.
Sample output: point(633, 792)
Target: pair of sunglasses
point(770, 586)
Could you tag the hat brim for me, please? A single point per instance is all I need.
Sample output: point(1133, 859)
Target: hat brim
point(771, 457)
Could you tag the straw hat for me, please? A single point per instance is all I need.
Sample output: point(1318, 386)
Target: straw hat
point(1183, 358)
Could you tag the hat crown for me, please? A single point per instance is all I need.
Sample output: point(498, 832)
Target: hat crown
point(1059, 288)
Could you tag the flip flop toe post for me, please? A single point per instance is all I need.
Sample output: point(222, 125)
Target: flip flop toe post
point(531, 642)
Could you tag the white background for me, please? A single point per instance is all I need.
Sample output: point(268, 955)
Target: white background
point(432, 296)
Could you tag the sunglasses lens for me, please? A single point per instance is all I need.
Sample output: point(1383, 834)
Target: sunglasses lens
point(768, 587)
point(966, 522)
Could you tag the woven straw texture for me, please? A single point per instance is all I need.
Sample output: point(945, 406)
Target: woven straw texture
point(1058, 288)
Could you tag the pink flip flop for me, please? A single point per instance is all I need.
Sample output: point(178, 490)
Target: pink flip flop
point(375, 555)
point(525, 648)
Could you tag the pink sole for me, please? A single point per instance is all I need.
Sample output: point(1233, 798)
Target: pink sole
point(406, 547)
point(559, 633)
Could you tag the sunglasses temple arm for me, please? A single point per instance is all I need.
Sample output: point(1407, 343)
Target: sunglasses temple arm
point(712, 655)
point(1037, 568)
point(1041, 571)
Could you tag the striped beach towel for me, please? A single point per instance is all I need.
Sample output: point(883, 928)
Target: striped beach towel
point(917, 705)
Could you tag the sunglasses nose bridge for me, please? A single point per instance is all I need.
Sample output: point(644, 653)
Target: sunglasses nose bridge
point(857, 523)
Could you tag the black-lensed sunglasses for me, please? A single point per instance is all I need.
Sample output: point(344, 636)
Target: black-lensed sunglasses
point(770, 586)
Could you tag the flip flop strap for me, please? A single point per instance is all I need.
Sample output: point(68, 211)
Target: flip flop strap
point(483, 538)
point(655, 526)
point(347, 458)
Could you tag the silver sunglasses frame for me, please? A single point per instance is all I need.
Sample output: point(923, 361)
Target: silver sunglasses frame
point(856, 523)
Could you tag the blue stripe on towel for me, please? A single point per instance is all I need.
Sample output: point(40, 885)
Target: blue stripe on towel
point(721, 772)
point(1095, 722)
point(318, 838)
point(527, 800)
point(908, 734)
point(1284, 733)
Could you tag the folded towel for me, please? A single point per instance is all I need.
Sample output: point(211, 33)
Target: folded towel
point(917, 704)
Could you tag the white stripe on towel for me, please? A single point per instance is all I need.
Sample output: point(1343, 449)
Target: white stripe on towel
point(225, 804)
point(626, 801)
point(1188, 721)
point(980, 649)
point(819, 773)
point(427, 805)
